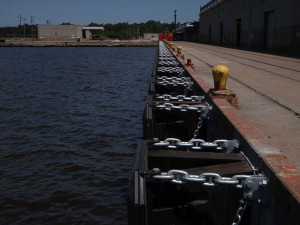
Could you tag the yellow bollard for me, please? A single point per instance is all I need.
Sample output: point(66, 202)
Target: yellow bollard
point(189, 61)
point(171, 45)
point(179, 50)
point(220, 74)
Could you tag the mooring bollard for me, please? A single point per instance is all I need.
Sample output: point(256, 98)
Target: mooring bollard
point(189, 63)
point(179, 50)
point(220, 74)
point(220, 91)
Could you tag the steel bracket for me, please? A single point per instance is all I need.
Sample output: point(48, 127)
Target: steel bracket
point(230, 145)
point(206, 112)
point(256, 188)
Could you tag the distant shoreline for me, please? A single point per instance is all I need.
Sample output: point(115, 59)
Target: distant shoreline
point(93, 43)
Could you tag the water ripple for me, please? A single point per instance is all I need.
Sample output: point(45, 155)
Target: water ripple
point(70, 120)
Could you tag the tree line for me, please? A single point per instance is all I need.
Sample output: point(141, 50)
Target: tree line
point(119, 30)
point(30, 31)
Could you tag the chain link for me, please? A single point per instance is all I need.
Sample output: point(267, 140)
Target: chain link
point(198, 127)
point(173, 83)
point(179, 79)
point(180, 98)
point(167, 64)
point(183, 107)
point(206, 179)
point(170, 70)
point(240, 211)
point(196, 144)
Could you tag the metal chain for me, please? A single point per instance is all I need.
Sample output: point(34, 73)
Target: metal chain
point(173, 78)
point(240, 211)
point(209, 180)
point(180, 98)
point(183, 107)
point(174, 83)
point(206, 179)
point(170, 70)
point(198, 127)
point(197, 144)
point(167, 63)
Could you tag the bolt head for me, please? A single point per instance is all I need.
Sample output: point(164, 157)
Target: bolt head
point(265, 182)
point(249, 195)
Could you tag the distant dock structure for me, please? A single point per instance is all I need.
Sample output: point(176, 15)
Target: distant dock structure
point(259, 24)
point(65, 32)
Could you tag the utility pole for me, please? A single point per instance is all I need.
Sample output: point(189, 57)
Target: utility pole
point(137, 32)
point(175, 19)
point(127, 29)
point(31, 21)
point(20, 17)
point(24, 26)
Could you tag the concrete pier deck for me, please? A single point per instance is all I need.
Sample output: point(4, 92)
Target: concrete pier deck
point(267, 87)
point(268, 119)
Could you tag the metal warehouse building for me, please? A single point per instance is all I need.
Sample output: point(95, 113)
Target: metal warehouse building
point(268, 24)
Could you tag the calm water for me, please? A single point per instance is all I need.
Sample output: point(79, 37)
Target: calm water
point(70, 120)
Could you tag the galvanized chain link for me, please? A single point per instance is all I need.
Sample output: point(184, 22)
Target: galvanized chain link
point(197, 144)
point(167, 58)
point(173, 83)
point(179, 79)
point(168, 63)
point(198, 127)
point(180, 98)
point(206, 179)
point(182, 107)
point(170, 70)
point(240, 211)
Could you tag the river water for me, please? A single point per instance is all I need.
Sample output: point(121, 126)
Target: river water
point(70, 120)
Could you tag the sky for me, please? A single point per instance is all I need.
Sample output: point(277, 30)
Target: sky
point(99, 11)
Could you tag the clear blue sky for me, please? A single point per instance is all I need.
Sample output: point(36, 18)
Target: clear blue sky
point(100, 11)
